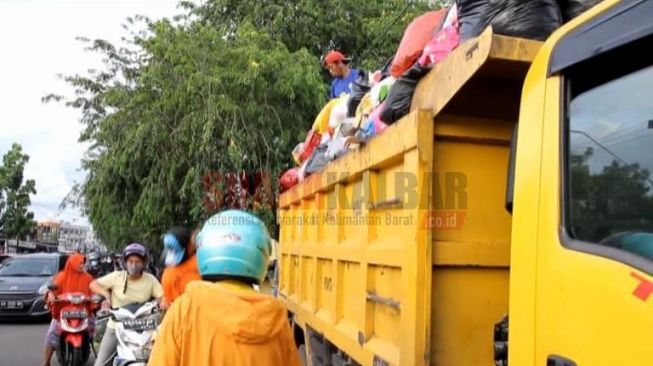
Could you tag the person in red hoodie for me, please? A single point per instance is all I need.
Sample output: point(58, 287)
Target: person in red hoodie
point(222, 320)
point(73, 278)
point(180, 261)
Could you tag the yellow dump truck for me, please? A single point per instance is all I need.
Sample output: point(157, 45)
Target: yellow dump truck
point(506, 220)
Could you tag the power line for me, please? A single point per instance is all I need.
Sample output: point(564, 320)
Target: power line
point(631, 139)
point(607, 150)
point(617, 132)
point(616, 135)
point(617, 138)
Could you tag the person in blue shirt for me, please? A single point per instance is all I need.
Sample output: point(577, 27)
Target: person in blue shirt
point(343, 75)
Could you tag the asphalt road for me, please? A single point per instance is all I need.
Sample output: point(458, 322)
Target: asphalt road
point(21, 344)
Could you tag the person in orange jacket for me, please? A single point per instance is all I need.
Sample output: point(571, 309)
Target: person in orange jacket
point(222, 320)
point(73, 278)
point(180, 261)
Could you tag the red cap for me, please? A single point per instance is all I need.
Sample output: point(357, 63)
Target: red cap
point(334, 56)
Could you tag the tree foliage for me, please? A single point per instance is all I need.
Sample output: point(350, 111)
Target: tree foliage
point(367, 30)
point(619, 197)
point(228, 87)
point(16, 221)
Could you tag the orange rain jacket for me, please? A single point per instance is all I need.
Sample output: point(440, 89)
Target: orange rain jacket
point(224, 324)
point(175, 279)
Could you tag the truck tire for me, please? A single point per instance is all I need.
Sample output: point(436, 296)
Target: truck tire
point(302, 355)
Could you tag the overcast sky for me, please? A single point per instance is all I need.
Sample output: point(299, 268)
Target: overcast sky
point(37, 40)
point(617, 115)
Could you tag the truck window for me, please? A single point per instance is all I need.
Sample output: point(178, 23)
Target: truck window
point(609, 152)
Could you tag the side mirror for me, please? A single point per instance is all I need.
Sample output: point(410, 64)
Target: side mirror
point(96, 299)
point(53, 287)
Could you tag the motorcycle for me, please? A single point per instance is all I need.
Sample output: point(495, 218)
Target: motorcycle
point(135, 327)
point(74, 329)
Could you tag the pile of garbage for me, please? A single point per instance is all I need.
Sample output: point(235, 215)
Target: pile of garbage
point(381, 98)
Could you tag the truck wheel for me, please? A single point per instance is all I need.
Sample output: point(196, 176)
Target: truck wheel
point(302, 355)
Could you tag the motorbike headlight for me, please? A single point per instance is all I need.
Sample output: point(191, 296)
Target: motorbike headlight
point(65, 325)
point(137, 346)
point(43, 289)
point(133, 339)
point(133, 344)
point(75, 299)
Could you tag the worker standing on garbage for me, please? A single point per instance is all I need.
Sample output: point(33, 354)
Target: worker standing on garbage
point(180, 261)
point(222, 320)
point(343, 75)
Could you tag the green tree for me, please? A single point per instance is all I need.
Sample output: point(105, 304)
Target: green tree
point(194, 104)
point(15, 219)
point(229, 86)
point(370, 31)
point(618, 198)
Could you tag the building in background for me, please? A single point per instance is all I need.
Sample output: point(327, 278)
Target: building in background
point(68, 237)
point(53, 236)
point(43, 238)
point(48, 232)
point(72, 237)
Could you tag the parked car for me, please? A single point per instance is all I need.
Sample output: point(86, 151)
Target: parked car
point(23, 284)
point(3, 259)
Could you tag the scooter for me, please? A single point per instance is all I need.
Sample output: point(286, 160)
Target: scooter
point(135, 326)
point(74, 330)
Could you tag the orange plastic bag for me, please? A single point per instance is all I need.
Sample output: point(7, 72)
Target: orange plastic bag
point(418, 33)
point(312, 140)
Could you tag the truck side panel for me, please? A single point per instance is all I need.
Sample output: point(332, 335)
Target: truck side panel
point(471, 240)
point(356, 253)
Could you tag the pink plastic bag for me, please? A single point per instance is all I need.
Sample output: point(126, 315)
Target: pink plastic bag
point(442, 44)
point(375, 116)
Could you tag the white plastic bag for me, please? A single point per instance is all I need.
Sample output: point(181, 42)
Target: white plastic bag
point(338, 112)
point(380, 91)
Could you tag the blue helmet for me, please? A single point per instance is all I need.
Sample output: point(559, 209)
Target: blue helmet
point(175, 244)
point(234, 244)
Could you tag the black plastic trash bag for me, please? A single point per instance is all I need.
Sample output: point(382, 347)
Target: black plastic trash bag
point(532, 19)
point(385, 71)
point(318, 160)
point(359, 88)
point(573, 8)
point(397, 103)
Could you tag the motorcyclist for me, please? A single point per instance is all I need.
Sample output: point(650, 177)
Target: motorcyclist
point(222, 320)
point(106, 263)
point(117, 259)
point(71, 279)
point(93, 264)
point(180, 261)
point(123, 287)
